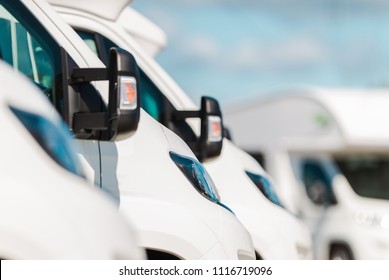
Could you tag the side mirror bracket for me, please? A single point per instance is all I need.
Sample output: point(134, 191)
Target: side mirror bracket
point(210, 142)
point(120, 117)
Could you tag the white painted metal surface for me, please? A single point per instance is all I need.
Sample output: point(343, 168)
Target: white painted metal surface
point(234, 185)
point(139, 169)
point(323, 125)
point(46, 211)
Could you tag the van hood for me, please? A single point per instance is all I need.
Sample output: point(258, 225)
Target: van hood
point(268, 223)
point(176, 144)
point(144, 172)
point(61, 219)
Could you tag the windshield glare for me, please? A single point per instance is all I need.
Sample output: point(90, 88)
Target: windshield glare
point(368, 174)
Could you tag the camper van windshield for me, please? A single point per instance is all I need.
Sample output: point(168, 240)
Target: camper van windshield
point(368, 174)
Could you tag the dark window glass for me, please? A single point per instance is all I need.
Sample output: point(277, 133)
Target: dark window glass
point(89, 39)
point(5, 40)
point(368, 175)
point(317, 184)
point(29, 48)
point(154, 102)
point(151, 98)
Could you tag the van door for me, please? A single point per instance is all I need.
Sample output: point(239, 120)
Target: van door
point(30, 49)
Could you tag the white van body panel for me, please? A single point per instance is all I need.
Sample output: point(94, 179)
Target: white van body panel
point(152, 38)
point(219, 169)
point(313, 123)
point(106, 9)
point(276, 233)
point(58, 215)
point(124, 173)
point(167, 207)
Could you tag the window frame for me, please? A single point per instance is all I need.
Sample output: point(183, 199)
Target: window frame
point(39, 33)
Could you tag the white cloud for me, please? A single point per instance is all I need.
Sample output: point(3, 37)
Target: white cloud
point(251, 54)
point(163, 18)
point(300, 51)
point(201, 47)
point(295, 52)
point(247, 55)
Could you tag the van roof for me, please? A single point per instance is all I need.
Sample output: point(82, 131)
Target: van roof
point(149, 35)
point(102, 8)
point(361, 115)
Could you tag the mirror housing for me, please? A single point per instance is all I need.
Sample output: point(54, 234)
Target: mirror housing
point(124, 97)
point(210, 142)
point(317, 192)
point(320, 194)
point(120, 117)
point(211, 138)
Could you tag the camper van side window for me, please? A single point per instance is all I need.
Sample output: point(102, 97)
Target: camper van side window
point(317, 184)
point(26, 45)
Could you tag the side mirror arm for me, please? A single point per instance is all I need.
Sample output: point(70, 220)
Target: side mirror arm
point(96, 121)
point(209, 145)
point(113, 121)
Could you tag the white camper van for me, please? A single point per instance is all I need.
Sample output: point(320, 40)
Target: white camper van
point(47, 210)
point(150, 172)
point(276, 233)
point(328, 151)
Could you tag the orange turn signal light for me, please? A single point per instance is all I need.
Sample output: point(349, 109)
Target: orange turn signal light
point(128, 93)
point(215, 129)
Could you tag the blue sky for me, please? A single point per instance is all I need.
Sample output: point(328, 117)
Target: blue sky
point(235, 50)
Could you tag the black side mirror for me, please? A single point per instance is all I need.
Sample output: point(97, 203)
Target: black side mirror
point(124, 97)
point(211, 138)
point(210, 142)
point(317, 192)
point(121, 117)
